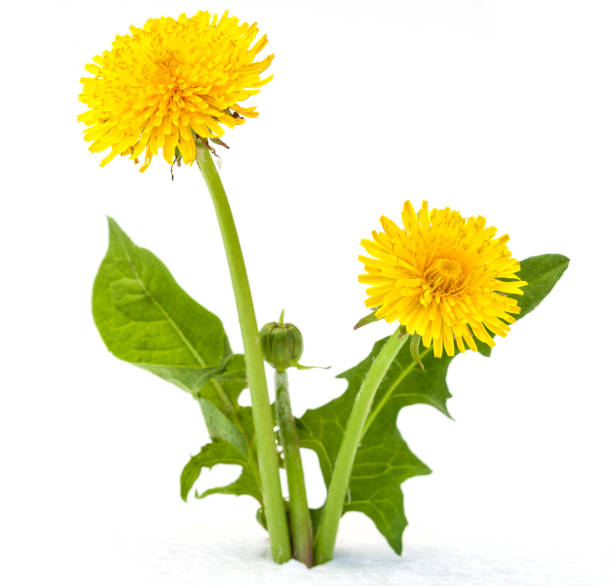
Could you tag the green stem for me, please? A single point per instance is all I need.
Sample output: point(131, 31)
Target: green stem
point(274, 505)
point(301, 525)
point(336, 495)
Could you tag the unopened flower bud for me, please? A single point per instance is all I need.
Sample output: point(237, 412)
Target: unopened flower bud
point(282, 344)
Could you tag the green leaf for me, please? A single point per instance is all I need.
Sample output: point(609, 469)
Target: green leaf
point(384, 460)
point(144, 317)
point(232, 432)
point(219, 452)
point(541, 273)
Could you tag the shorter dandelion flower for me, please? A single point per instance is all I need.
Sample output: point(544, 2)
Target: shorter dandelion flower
point(445, 278)
point(169, 81)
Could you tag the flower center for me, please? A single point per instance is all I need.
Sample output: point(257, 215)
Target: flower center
point(444, 275)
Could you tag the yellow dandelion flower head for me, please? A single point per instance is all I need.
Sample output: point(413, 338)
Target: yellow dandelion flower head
point(170, 79)
point(443, 277)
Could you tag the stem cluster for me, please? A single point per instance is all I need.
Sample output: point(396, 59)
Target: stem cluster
point(299, 540)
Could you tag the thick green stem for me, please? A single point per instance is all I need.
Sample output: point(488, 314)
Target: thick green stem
point(301, 525)
point(336, 495)
point(274, 506)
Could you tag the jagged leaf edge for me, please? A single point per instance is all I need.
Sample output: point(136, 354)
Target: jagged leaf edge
point(230, 425)
point(210, 455)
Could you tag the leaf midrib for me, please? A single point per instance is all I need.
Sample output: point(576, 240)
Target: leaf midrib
point(174, 325)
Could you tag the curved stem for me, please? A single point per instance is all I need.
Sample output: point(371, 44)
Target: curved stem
point(336, 495)
point(301, 525)
point(274, 505)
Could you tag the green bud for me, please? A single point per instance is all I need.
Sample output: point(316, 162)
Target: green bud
point(282, 344)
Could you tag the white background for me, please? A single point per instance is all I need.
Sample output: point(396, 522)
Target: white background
point(496, 108)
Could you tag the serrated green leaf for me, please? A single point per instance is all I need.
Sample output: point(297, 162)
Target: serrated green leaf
point(383, 459)
point(144, 317)
point(231, 428)
point(220, 452)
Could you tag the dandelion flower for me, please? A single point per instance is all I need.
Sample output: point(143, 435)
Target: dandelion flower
point(445, 278)
point(170, 79)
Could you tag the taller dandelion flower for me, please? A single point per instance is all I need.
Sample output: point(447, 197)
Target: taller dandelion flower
point(170, 81)
point(443, 277)
point(173, 85)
